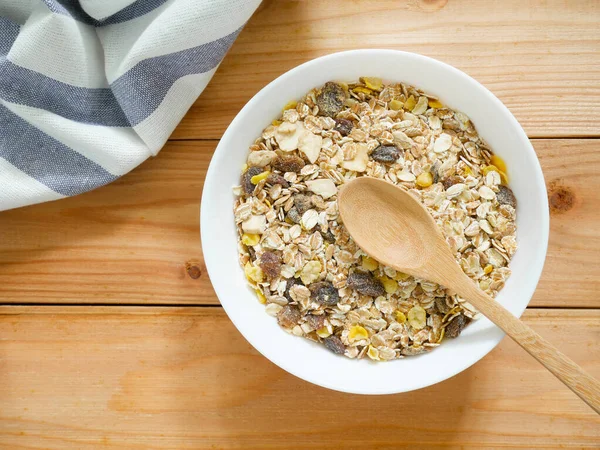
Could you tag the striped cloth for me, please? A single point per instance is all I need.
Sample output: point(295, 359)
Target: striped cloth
point(89, 89)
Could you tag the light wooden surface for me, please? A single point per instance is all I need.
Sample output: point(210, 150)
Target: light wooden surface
point(540, 57)
point(90, 377)
point(414, 244)
point(80, 375)
point(131, 241)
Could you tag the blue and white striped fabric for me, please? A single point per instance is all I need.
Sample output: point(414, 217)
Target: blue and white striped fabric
point(89, 89)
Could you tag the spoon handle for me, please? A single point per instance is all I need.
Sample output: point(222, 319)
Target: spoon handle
point(572, 375)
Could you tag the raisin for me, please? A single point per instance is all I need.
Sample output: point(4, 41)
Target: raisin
point(441, 305)
point(291, 282)
point(247, 185)
point(343, 126)
point(324, 293)
point(289, 316)
point(454, 328)
point(331, 99)
point(274, 179)
point(315, 321)
point(302, 203)
point(505, 196)
point(270, 263)
point(386, 153)
point(450, 181)
point(365, 284)
point(328, 236)
point(335, 345)
point(288, 163)
point(294, 215)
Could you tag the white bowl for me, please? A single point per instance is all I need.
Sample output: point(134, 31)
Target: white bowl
point(311, 361)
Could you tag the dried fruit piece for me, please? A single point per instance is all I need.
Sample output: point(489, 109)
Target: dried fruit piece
point(261, 297)
point(441, 305)
point(454, 328)
point(253, 273)
point(450, 181)
point(362, 90)
point(324, 293)
point(343, 126)
point(324, 332)
point(365, 283)
point(488, 169)
point(288, 164)
point(435, 170)
point(302, 203)
point(399, 316)
point(327, 236)
point(505, 196)
point(270, 263)
point(435, 103)
point(294, 215)
point(290, 283)
point(369, 263)
point(498, 162)
point(275, 178)
point(410, 103)
point(250, 239)
point(386, 153)
point(401, 276)
point(331, 99)
point(425, 179)
point(247, 184)
point(258, 178)
point(395, 105)
point(417, 317)
point(315, 321)
point(335, 345)
point(289, 316)
point(373, 83)
point(390, 286)
point(488, 269)
point(290, 105)
point(357, 333)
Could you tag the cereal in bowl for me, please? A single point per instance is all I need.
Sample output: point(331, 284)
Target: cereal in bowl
point(301, 261)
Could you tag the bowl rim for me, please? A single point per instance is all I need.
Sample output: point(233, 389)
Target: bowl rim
point(209, 192)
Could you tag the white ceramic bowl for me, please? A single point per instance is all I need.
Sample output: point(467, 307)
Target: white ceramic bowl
point(311, 361)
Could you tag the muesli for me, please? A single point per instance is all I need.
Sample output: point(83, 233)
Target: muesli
point(300, 259)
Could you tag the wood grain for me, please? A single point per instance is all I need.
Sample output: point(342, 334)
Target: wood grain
point(540, 57)
point(137, 241)
point(90, 377)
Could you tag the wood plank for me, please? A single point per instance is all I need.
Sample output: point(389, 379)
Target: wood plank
point(90, 377)
point(540, 57)
point(572, 268)
point(137, 240)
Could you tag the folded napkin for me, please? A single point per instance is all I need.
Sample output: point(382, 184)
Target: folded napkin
point(89, 89)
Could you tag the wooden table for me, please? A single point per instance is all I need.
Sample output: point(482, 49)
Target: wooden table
point(112, 337)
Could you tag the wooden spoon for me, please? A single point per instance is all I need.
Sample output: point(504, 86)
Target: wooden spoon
point(392, 226)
